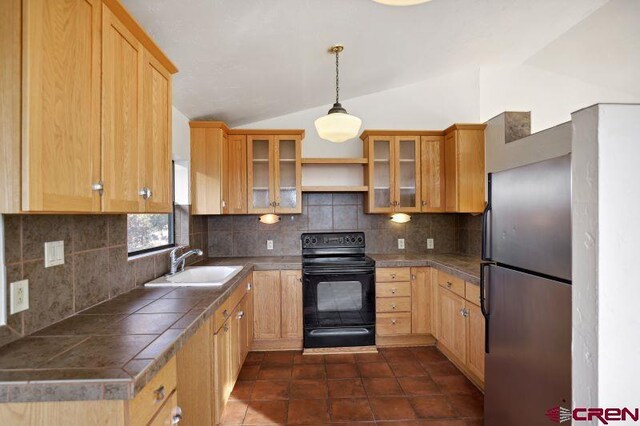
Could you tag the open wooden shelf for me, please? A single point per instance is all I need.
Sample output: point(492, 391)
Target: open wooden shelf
point(362, 188)
point(335, 160)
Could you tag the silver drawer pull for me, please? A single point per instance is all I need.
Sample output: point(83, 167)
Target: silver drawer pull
point(177, 416)
point(159, 393)
point(393, 276)
point(393, 291)
point(248, 286)
point(393, 321)
point(240, 314)
point(393, 306)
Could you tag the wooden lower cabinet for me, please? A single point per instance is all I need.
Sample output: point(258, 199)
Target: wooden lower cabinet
point(277, 310)
point(452, 323)
point(475, 340)
point(222, 362)
point(421, 300)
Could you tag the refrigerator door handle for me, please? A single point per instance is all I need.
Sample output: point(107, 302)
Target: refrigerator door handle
point(486, 223)
point(483, 304)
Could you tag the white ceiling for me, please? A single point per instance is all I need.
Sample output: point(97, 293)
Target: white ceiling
point(246, 60)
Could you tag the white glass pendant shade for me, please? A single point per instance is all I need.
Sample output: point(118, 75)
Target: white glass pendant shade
point(401, 2)
point(400, 218)
point(338, 126)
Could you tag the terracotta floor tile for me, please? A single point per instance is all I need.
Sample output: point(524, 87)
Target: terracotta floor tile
point(308, 412)
point(308, 389)
point(308, 371)
point(468, 405)
point(308, 359)
point(387, 386)
point(270, 389)
point(392, 408)
point(408, 368)
point(375, 369)
point(266, 412)
point(281, 358)
point(370, 357)
point(350, 410)
point(249, 372)
point(341, 371)
point(443, 422)
point(441, 368)
point(242, 390)
point(433, 406)
point(419, 385)
point(346, 388)
point(254, 358)
point(398, 355)
point(429, 354)
point(456, 385)
point(339, 359)
point(234, 413)
point(274, 372)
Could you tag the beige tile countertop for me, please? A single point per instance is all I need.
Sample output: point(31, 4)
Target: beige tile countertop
point(110, 351)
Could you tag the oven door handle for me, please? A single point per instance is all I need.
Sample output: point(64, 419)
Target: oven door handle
point(339, 272)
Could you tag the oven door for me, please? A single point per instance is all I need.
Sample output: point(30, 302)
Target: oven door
point(339, 308)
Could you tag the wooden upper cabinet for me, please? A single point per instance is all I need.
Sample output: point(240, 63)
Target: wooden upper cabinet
point(407, 174)
point(433, 173)
point(122, 59)
point(206, 170)
point(260, 178)
point(288, 174)
point(61, 105)
point(464, 169)
point(155, 161)
point(234, 164)
point(379, 177)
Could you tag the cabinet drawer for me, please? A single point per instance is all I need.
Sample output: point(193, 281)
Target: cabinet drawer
point(472, 293)
point(384, 275)
point(226, 308)
point(393, 324)
point(393, 304)
point(151, 398)
point(399, 289)
point(452, 283)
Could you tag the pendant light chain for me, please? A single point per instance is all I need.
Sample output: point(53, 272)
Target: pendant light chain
point(337, 77)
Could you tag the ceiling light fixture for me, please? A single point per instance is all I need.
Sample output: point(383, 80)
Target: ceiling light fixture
point(269, 218)
point(337, 125)
point(400, 218)
point(401, 2)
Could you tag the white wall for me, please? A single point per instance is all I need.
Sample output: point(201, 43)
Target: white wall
point(605, 203)
point(181, 155)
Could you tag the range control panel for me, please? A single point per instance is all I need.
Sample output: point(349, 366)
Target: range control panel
point(333, 240)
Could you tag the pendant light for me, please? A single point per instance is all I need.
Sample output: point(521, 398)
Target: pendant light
point(337, 125)
point(401, 2)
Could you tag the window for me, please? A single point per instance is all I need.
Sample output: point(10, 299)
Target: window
point(149, 232)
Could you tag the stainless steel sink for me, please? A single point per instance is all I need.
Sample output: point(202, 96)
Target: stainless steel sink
point(198, 276)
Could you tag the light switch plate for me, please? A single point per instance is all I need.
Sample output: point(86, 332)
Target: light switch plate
point(53, 253)
point(401, 243)
point(19, 296)
point(269, 244)
point(430, 243)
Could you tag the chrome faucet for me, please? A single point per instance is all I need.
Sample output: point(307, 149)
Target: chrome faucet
point(176, 264)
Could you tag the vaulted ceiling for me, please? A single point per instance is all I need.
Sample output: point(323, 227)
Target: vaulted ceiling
point(246, 60)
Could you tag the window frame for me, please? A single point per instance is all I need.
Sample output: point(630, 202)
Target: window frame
point(172, 223)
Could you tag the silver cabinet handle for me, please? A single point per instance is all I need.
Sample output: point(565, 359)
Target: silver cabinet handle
point(393, 276)
point(225, 313)
point(98, 186)
point(177, 416)
point(393, 306)
point(226, 328)
point(224, 204)
point(248, 286)
point(393, 291)
point(449, 284)
point(159, 393)
point(393, 321)
point(464, 312)
point(413, 277)
point(424, 203)
point(240, 314)
point(145, 193)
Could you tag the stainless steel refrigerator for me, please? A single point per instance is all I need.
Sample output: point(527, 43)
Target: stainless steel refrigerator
point(526, 293)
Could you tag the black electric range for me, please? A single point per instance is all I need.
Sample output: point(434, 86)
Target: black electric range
point(338, 290)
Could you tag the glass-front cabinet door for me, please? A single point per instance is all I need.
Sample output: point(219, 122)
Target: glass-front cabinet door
point(260, 179)
point(380, 174)
point(288, 174)
point(407, 174)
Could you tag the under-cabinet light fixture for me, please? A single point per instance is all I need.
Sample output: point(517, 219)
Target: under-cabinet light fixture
point(400, 218)
point(269, 218)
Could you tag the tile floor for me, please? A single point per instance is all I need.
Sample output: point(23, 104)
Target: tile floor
point(400, 385)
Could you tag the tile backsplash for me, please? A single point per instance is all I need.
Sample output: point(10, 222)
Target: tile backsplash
point(96, 268)
point(244, 235)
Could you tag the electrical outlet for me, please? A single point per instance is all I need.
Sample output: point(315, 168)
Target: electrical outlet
point(430, 243)
point(269, 244)
point(19, 296)
point(401, 243)
point(53, 253)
